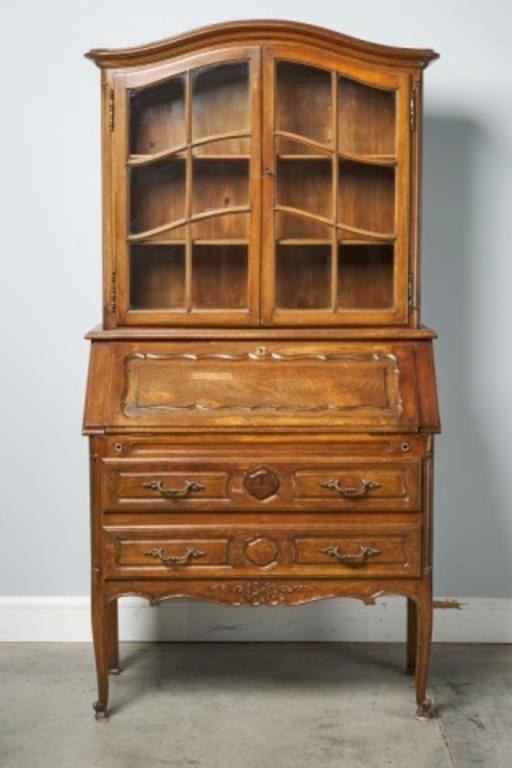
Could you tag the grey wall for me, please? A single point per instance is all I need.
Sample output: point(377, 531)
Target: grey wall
point(50, 265)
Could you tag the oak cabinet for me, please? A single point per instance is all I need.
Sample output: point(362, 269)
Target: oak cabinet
point(261, 400)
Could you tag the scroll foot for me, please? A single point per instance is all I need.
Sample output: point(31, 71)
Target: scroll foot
point(100, 710)
point(425, 710)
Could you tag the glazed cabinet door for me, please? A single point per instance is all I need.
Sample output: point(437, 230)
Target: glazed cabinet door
point(186, 178)
point(335, 190)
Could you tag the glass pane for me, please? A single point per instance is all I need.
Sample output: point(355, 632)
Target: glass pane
point(239, 147)
point(366, 198)
point(220, 99)
point(157, 194)
point(366, 119)
point(233, 226)
point(219, 277)
point(290, 227)
point(219, 184)
point(172, 237)
point(157, 117)
point(303, 101)
point(157, 276)
point(365, 277)
point(297, 149)
point(303, 276)
point(307, 186)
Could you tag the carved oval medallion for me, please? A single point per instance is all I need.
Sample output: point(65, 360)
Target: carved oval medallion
point(261, 483)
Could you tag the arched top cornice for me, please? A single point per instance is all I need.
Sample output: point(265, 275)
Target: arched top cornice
point(262, 32)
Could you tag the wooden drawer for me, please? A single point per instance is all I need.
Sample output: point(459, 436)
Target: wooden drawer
point(356, 486)
point(250, 483)
point(222, 551)
point(162, 485)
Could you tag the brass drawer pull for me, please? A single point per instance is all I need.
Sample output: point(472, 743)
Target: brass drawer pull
point(351, 492)
point(361, 557)
point(174, 560)
point(174, 493)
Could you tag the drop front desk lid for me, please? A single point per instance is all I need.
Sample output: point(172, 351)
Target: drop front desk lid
point(362, 386)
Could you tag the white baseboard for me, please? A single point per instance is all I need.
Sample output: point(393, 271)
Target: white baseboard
point(67, 619)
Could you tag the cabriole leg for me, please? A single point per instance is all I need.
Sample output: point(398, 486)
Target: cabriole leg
point(423, 642)
point(113, 637)
point(101, 651)
point(412, 635)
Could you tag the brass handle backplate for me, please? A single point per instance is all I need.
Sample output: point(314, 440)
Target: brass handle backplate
point(351, 492)
point(361, 557)
point(174, 493)
point(174, 560)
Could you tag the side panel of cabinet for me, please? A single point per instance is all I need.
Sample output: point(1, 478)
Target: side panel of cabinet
point(336, 159)
point(187, 198)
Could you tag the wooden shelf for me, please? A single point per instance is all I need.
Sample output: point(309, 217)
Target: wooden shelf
point(387, 160)
point(180, 154)
point(220, 157)
point(291, 241)
point(326, 157)
point(226, 241)
point(198, 241)
point(365, 241)
point(161, 241)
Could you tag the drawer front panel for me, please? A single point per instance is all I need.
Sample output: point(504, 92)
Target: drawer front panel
point(356, 549)
point(361, 485)
point(180, 552)
point(170, 552)
point(158, 487)
point(249, 484)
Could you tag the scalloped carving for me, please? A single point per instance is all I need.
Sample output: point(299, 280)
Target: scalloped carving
point(261, 592)
point(269, 592)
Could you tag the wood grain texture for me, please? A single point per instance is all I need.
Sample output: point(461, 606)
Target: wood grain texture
point(261, 397)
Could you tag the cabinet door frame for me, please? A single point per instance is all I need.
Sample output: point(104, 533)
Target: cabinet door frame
point(122, 82)
point(371, 76)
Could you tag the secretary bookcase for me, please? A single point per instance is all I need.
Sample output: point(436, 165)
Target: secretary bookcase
point(261, 400)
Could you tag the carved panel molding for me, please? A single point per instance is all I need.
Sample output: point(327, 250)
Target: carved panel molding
point(262, 382)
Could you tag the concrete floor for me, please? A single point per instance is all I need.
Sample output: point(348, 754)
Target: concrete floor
point(266, 705)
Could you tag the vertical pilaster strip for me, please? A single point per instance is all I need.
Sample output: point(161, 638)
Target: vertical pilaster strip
point(188, 191)
point(334, 193)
